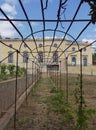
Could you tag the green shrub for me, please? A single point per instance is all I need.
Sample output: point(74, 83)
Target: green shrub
point(11, 69)
point(3, 74)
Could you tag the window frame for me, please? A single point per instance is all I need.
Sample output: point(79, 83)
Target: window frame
point(73, 61)
point(55, 56)
point(40, 45)
point(40, 56)
point(55, 45)
point(73, 49)
point(10, 57)
point(25, 57)
point(85, 61)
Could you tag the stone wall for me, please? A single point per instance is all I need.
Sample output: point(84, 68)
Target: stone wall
point(7, 91)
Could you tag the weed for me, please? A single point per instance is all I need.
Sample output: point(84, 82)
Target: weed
point(59, 106)
point(82, 113)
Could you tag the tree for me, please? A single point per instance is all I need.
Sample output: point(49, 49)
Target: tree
point(92, 13)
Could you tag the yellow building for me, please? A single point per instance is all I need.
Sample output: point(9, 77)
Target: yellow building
point(47, 53)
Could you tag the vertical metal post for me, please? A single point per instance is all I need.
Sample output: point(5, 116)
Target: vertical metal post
point(0, 67)
point(81, 93)
point(60, 75)
point(57, 76)
point(67, 79)
point(15, 112)
point(54, 74)
point(35, 74)
point(26, 77)
point(32, 72)
point(39, 72)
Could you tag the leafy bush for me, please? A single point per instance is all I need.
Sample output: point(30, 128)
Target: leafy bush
point(11, 69)
point(3, 74)
point(21, 71)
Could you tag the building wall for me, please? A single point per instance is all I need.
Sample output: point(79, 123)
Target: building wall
point(18, 45)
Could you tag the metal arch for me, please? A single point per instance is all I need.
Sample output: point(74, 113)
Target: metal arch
point(57, 31)
point(58, 16)
point(47, 51)
point(44, 20)
point(51, 31)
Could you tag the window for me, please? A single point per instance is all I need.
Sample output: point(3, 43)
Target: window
point(40, 57)
point(85, 61)
point(73, 49)
point(84, 49)
point(10, 57)
point(55, 57)
point(55, 45)
point(25, 57)
point(74, 61)
point(10, 45)
point(40, 45)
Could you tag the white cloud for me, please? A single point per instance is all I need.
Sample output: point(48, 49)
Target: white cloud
point(8, 8)
point(48, 37)
point(87, 40)
point(6, 29)
point(34, 24)
point(95, 29)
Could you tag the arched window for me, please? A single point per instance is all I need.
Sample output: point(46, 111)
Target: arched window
point(10, 57)
point(40, 57)
point(55, 45)
point(84, 49)
point(73, 48)
point(55, 57)
point(73, 61)
point(85, 61)
point(40, 45)
point(25, 57)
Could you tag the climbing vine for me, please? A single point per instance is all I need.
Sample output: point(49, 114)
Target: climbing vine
point(92, 13)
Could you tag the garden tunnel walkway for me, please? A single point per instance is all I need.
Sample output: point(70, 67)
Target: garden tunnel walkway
point(37, 113)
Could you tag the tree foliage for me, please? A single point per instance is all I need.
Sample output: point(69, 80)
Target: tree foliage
point(92, 13)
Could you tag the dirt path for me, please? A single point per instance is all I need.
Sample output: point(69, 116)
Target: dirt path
point(36, 115)
point(46, 110)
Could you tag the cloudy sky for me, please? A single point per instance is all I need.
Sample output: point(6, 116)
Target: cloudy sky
point(13, 10)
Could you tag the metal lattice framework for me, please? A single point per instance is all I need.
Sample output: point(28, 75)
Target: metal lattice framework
point(58, 28)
